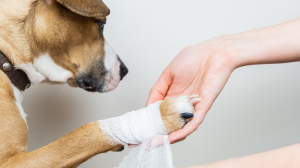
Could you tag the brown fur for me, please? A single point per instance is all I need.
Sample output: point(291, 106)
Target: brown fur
point(88, 8)
point(31, 28)
point(28, 29)
point(171, 118)
point(13, 127)
point(14, 41)
point(68, 151)
point(73, 41)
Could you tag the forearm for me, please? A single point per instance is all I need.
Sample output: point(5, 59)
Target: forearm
point(274, 44)
point(287, 157)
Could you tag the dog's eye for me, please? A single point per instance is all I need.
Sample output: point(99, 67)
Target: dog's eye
point(101, 25)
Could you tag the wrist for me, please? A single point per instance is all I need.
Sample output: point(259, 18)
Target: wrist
point(224, 50)
point(239, 48)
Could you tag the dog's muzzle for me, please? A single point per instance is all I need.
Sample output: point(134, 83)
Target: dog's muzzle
point(101, 80)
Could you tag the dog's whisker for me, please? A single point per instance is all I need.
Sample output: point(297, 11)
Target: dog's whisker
point(61, 92)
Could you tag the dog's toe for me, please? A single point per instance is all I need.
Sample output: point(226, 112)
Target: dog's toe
point(120, 149)
point(176, 112)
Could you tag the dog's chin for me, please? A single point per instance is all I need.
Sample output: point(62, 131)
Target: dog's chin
point(101, 89)
point(104, 89)
point(90, 89)
point(109, 84)
point(73, 83)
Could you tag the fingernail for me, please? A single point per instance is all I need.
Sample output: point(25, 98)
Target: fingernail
point(187, 115)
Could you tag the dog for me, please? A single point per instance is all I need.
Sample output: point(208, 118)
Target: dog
point(60, 41)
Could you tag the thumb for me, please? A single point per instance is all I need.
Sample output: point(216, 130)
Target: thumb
point(160, 88)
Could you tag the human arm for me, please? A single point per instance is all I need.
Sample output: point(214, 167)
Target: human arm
point(204, 68)
point(287, 157)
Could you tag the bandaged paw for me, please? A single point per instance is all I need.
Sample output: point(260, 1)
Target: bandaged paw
point(149, 127)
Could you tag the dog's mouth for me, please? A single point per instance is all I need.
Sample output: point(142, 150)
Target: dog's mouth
point(90, 84)
point(90, 89)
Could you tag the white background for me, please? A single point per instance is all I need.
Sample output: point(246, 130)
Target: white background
point(258, 110)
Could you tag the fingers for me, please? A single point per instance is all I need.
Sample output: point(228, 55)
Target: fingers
point(160, 88)
point(201, 110)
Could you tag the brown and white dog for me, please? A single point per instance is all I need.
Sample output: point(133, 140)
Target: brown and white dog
point(60, 41)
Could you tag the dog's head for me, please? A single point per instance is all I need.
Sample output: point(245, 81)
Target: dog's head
point(68, 44)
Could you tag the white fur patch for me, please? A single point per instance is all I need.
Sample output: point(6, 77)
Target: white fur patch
point(112, 65)
point(34, 76)
point(110, 57)
point(19, 98)
point(184, 105)
point(51, 71)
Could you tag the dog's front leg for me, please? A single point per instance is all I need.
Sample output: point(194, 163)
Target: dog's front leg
point(68, 151)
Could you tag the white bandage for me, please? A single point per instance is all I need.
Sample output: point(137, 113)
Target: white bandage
point(144, 127)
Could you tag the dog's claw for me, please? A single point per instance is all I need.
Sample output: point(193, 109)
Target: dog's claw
point(121, 149)
point(195, 100)
point(187, 115)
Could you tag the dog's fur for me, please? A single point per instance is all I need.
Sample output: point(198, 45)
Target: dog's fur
point(59, 41)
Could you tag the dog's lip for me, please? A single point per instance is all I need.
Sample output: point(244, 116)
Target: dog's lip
point(90, 89)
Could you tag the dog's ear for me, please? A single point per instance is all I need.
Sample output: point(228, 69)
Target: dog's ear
point(88, 8)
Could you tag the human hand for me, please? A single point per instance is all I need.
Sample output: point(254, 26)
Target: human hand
point(202, 69)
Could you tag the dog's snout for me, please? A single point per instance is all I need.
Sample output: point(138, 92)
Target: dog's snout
point(123, 70)
point(102, 78)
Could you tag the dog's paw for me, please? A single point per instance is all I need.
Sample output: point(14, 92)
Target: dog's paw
point(176, 112)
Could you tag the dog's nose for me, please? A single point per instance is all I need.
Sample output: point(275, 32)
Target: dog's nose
point(123, 70)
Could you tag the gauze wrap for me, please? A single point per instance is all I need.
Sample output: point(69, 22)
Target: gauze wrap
point(144, 127)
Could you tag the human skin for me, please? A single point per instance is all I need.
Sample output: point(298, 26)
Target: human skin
point(287, 157)
point(204, 68)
